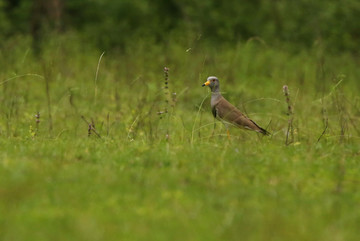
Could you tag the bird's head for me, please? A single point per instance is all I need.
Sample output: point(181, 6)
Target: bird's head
point(213, 83)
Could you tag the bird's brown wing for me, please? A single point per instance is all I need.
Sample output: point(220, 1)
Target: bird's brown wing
point(229, 113)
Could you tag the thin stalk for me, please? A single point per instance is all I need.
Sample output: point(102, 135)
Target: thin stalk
point(96, 76)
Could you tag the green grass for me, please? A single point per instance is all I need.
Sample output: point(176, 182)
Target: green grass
point(176, 177)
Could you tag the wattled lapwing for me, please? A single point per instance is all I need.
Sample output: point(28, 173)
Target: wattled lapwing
point(226, 112)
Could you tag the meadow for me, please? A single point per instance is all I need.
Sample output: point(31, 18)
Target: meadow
point(95, 146)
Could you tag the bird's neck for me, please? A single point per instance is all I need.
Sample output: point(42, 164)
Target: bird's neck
point(215, 90)
point(215, 98)
point(215, 95)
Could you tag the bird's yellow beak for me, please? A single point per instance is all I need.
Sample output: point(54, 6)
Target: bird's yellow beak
point(206, 83)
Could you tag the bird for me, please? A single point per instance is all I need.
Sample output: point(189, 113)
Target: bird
point(228, 113)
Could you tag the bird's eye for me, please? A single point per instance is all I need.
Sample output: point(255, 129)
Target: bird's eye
point(213, 80)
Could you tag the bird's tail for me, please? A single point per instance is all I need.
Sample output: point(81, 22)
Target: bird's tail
point(264, 132)
point(261, 130)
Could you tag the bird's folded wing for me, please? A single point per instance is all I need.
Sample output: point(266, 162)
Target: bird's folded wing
point(229, 113)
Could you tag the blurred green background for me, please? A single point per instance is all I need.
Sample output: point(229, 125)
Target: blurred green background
point(113, 24)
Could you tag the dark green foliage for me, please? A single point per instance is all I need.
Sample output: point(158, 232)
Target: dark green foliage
point(108, 23)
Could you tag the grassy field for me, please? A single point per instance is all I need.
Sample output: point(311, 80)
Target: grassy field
point(114, 155)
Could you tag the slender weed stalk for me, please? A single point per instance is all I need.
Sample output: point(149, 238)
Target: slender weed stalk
point(167, 99)
point(338, 100)
point(20, 76)
point(351, 119)
point(71, 100)
point(96, 77)
point(37, 123)
point(170, 101)
point(131, 132)
point(325, 121)
point(107, 124)
point(290, 113)
point(34, 132)
point(196, 118)
point(91, 127)
point(47, 76)
point(166, 93)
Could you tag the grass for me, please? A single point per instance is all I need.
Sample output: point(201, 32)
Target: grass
point(175, 177)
